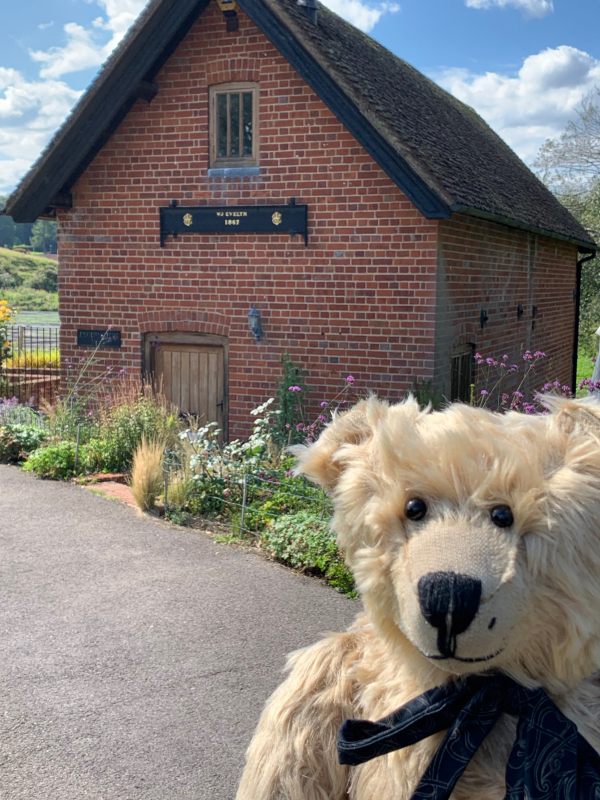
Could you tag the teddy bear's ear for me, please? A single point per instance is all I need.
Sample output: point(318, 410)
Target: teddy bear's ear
point(578, 416)
point(320, 462)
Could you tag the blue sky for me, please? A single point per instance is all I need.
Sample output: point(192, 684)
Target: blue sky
point(524, 65)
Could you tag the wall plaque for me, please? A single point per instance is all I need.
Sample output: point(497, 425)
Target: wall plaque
point(100, 339)
point(180, 220)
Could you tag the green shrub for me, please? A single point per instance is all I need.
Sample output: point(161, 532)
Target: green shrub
point(303, 540)
point(98, 456)
point(207, 495)
point(56, 461)
point(283, 494)
point(44, 278)
point(17, 441)
point(123, 426)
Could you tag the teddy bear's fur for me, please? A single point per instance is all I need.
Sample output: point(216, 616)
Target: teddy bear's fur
point(539, 617)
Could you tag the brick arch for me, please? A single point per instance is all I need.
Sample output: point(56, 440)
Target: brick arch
point(240, 69)
point(186, 320)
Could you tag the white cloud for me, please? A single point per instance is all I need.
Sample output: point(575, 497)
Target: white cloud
point(360, 14)
point(533, 8)
point(533, 105)
point(30, 112)
point(87, 48)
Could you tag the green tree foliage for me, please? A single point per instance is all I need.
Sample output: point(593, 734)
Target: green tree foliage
point(43, 236)
point(7, 229)
point(40, 235)
point(570, 166)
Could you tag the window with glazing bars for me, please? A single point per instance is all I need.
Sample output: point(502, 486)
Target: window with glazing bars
point(461, 376)
point(234, 135)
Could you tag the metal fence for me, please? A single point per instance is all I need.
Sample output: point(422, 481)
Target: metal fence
point(243, 503)
point(32, 371)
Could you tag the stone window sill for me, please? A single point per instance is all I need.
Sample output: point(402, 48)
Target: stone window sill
point(233, 172)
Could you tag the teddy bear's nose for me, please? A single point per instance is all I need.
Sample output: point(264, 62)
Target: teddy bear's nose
point(449, 602)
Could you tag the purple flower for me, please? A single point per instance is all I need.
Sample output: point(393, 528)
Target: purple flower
point(529, 408)
point(527, 355)
point(324, 404)
point(294, 388)
point(484, 393)
point(349, 379)
point(491, 362)
point(539, 354)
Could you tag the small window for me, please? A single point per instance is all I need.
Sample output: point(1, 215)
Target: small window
point(233, 130)
point(461, 376)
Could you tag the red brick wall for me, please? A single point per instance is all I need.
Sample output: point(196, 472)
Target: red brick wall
point(488, 266)
point(359, 299)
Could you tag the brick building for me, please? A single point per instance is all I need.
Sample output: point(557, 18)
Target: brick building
point(418, 234)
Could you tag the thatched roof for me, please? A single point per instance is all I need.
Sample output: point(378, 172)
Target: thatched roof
point(437, 150)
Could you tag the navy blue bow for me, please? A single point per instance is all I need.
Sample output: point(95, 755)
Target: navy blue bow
point(550, 760)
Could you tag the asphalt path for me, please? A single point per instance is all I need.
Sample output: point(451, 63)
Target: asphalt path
point(135, 657)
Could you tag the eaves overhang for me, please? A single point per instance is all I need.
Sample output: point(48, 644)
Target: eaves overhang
point(122, 80)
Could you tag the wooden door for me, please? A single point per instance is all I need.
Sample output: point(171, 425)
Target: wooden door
point(192, 377)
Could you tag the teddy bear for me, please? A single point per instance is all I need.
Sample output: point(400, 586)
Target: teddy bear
point(474, 540)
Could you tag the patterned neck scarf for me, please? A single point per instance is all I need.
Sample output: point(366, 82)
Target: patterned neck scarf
point(549, 760)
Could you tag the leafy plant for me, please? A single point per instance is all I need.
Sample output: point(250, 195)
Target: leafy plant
point(280, 494)
point(124, 427)
point(55, 461)
point(303, 540)
point(98, 455)
point(17, 441)
point(208, 495)
point(291, 394)
point(12, 412)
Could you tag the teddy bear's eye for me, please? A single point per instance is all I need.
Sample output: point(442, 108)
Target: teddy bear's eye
point(502, 516)
point(416, 508)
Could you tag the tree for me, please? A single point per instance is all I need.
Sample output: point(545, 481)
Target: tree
point(7, 228)
point(570, 166)
point(43, 236)
point(571, 163)
point(40, 235)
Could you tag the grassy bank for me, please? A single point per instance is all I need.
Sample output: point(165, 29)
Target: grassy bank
point(28, 281)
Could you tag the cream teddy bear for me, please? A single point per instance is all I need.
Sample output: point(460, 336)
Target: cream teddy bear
point(474, 539)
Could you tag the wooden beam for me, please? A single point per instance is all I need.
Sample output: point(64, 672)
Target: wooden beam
point(146, 90)
point(62, 200)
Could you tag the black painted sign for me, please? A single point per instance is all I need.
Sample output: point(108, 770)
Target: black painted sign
point(100, 339)
point(179, 220)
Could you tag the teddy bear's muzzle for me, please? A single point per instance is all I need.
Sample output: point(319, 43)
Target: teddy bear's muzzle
point(449, 602)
